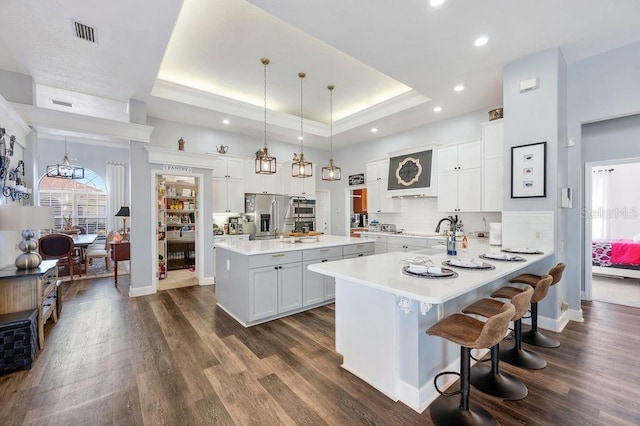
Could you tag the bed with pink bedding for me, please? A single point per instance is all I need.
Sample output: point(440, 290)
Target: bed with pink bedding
point(620, 254)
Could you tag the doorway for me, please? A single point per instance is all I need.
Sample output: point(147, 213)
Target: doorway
point(177, 230)
point(613, 205)
point(357, 218)
point(323, 211)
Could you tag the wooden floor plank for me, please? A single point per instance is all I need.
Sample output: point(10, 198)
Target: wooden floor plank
point(175, 358)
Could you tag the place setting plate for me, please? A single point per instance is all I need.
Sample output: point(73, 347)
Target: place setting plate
point(433, 272)
point(502, 257)
point(484, 266)
point(522, 250)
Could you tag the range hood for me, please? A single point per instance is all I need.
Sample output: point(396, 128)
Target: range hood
point(412, 174)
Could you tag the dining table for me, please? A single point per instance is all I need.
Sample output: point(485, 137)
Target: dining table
point(82, 241)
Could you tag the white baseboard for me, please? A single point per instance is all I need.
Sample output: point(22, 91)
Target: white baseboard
point(208, 281)
point(141, 291)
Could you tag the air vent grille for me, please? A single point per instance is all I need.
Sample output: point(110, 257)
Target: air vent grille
point(85, 32)
point(62, 103)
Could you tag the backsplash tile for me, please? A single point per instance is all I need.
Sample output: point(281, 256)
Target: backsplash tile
point(421, 215)
point(533, 229)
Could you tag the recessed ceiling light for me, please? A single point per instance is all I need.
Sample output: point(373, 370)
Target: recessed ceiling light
point(374, 129)
point(435, 3)
point(225, 121)
point(437, 109)
point(481, 41)
point(459, 88)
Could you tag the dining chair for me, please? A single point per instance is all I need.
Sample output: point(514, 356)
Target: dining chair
point(61, 248)
point(97, 250)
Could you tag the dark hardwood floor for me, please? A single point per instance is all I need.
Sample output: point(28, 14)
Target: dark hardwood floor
point(174, 358)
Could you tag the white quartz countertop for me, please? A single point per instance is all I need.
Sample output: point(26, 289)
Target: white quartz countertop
point(384, 272)
point(256, 247)
point(423, 235)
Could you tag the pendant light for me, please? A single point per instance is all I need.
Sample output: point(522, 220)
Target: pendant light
point(331, 172)
point(265, 164)
point(301, 168)
point(65, 170)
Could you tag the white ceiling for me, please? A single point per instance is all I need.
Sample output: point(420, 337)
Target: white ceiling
point(391, 61)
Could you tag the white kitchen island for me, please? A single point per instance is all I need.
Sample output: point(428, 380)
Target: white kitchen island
point(262, 280)
point(382, 316)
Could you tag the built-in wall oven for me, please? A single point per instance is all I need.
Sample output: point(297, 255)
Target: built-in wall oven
point(304, 225)
point(303, 207)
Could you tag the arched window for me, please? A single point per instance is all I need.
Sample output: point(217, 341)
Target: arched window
point(79, 203)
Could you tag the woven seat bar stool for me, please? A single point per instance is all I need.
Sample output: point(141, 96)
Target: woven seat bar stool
point(516, 355)
point(490, 380)
point(533, 336)
point(469, 333)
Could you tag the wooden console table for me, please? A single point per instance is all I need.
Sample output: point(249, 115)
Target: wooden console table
point(23, 289)
point(119, 251)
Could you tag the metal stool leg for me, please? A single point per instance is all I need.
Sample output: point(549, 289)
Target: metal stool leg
point(448, 412)
point(491, 381)
point(534, 337)
point(518, 356)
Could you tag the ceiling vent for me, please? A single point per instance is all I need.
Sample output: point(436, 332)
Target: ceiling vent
point(85, 32)
point(62, 103)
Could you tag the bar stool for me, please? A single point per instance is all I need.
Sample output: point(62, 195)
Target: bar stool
point(533, 336)
point(490, 380)
point(516, 355)
point(469, 333)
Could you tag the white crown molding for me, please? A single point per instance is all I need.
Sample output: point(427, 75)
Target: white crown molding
point(54, 122)
point(180, 158)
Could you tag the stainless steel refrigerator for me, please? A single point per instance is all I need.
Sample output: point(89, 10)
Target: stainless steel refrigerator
point(267, 215)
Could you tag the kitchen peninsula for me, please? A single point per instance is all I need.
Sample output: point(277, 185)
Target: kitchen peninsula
point(382, 315)
point(261, 280)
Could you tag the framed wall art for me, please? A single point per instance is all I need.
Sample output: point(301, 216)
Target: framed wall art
point(529, 170)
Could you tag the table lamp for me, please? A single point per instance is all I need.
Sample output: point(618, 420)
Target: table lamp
point(26, 219)
point(124, 214)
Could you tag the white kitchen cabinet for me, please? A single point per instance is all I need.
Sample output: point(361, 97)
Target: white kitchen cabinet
point(228, 195)
point(380, 242)
point(274, 289)
point(460, 177)
point(406, 244)
point(493, 166)
point(378, 201)
point(318, 288)
point(262, 184)
point(228, 185)
point(229, 167)
point(303, 187)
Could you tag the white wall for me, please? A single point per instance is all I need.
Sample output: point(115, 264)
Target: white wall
point(599, 89)
point(625, 200)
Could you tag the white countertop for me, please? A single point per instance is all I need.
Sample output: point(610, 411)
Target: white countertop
point(384, 272)
point(428, 235)
point(256, 247)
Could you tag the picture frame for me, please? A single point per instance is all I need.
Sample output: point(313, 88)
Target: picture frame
point(529, 170)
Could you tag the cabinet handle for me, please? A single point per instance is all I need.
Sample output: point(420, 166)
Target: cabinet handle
point(360, 254)
point(324, 250)
point(277, 255)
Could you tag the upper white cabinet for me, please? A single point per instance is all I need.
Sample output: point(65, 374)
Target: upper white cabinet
point(255, 183)
point(493, 167)
point(304, 187)
point(376, 176)
point(228, 185)
point(460, 177)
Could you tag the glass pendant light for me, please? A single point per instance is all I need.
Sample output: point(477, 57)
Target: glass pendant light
point(265, 164)
point(65, 170)
point(301, 168)
point(331, 172)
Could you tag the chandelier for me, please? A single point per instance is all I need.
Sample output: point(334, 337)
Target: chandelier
point(301, 168)
point(265, 164)
point(65, 170)
point(331, 172)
